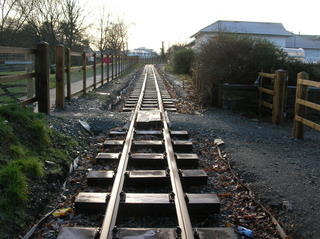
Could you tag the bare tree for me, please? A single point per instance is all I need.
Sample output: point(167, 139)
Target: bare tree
point(72, 26)
point(113, 35)
point(103, 29)
point(117, 37)
point(45, 20)
point(13, 15)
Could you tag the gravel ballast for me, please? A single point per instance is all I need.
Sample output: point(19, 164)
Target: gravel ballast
point(283, 172)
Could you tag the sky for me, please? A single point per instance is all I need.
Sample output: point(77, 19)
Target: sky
point(174, 21)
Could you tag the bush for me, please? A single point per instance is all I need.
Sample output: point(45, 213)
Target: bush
point(294, 67)
point(230, 58)
point(182, 60)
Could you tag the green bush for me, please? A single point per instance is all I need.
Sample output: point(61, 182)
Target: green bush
point(294, 67)
point(236, 59)
point(182, 60)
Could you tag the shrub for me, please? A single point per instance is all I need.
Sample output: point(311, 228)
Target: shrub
point(237, 59)
point(294, 67)
point(182, 60)
point(230, 58)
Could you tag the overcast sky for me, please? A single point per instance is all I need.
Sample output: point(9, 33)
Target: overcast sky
point(173, 21)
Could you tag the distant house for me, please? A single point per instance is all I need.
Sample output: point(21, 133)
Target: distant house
point(302, 47)
point(274, 32)
point(142, 52)
point(309, 43)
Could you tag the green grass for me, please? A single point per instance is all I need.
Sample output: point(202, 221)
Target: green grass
point(26, 143)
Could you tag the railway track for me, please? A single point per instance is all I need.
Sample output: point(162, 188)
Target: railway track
point(155, 170)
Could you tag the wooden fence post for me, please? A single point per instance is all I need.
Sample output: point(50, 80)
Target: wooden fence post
point(94, 70)
point(279, 96)
point(102, 68)
point(30, 82)
point(125, 64)
point(128, 63)
point(84, 71)
point(121, 64)
point(42, 78)
point(112, 67)
point(60, 76)
point(116, 66)
point(68, 73)
point(108, 68)
point(300, 110)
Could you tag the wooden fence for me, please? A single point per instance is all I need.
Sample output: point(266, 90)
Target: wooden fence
point(41, 76)
point(277, 90)
point(303, 83)
point(111, 67)
point(38, 80)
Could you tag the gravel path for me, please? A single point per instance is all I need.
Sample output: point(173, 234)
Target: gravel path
point(277, 167)
point(283, 172)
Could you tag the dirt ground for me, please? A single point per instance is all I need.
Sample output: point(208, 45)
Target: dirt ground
point(284, 173)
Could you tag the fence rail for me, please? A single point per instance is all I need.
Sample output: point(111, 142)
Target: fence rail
point(278, 91)
point(18, 86)
point(92, 69)
point(119, 65)
point(302, 102)
point(37, 83)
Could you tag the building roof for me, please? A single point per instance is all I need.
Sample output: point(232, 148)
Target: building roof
point(257, 28)
point(303, 41)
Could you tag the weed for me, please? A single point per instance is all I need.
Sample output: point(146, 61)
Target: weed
point(31, 167)
point(18, 151)
point(27, 126)
point(13, 188)
point(6, 134)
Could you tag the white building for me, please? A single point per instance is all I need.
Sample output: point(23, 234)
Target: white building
point(142, 52)
point(303, 47)
point(274, 32)
point(309, 43)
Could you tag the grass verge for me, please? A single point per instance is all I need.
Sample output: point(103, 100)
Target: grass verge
point(27, 145)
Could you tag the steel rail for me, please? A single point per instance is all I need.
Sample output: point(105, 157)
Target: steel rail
point(110, 218)
point(180, 202)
